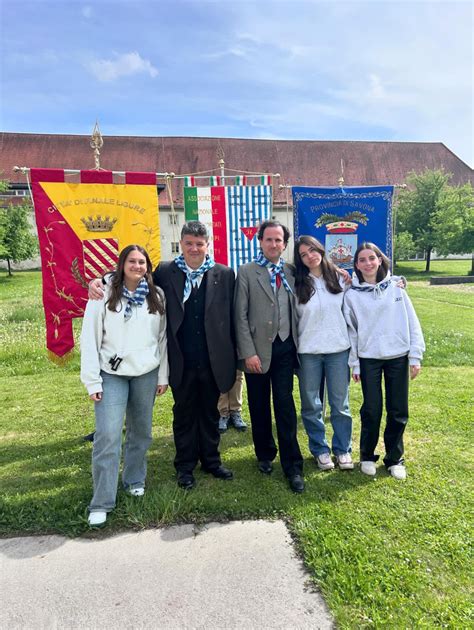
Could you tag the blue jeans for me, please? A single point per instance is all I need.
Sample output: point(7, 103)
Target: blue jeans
point(310, 374)
point(132, 396)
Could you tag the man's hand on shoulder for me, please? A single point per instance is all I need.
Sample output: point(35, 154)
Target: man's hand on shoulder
point(96, 291)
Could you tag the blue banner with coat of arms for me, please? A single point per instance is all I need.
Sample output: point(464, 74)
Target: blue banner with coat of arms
point(342, 218)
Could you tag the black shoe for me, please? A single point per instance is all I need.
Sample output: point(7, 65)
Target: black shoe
point(220, 473)
point(186, 481)
point(296, 483)
point(89, 437)
point(265, 466)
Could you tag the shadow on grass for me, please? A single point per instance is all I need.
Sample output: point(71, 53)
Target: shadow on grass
point(49, 487)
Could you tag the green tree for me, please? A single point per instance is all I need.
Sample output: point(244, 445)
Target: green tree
point(454, 222)
point(17, 241)
point(3, 188)
point(404, 246)
point(418, 208)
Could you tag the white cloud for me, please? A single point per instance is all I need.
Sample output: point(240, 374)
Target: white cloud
point(331, 82)
point(376, 90)
point(86, 12)
point(234, 51)
point(123, 65)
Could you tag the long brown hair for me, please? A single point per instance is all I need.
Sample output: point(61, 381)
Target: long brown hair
point(384, 267)
point(154, 300)
point(303, 284)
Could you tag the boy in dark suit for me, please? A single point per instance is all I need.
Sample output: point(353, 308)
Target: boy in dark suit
point(201, 352)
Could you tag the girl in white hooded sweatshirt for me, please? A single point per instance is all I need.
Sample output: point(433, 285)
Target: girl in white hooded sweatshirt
point(124, 364)
point(386, 338)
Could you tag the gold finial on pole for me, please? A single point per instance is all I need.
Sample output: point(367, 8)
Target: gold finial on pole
point(96, 143)
point(341, 178)
point(221, 155)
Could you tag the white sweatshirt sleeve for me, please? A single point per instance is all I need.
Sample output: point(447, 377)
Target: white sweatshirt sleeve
point(351, 322)
point(91, 342)
point(417, 342)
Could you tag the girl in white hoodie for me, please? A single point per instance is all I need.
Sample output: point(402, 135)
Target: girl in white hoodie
point(124, 364)
point(323, 349)
point(386, 338)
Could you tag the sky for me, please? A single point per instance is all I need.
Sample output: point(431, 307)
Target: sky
point(309, 70)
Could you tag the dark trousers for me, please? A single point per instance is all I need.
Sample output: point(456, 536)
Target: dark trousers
point(395, 372)
point(279, 382)
point(196, 421)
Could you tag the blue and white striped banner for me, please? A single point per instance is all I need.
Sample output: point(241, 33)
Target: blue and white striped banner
point(247, 208)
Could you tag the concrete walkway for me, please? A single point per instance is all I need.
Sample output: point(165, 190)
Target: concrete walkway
point(236, 575)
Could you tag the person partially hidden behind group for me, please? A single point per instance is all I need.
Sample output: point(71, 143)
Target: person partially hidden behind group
point(124, 364)
point(230, 407)
point(201, 351)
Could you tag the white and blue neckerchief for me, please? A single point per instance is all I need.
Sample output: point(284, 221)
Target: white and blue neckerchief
point(274, 270)
point(136, 297)
point(192, 276)
point(377, 289)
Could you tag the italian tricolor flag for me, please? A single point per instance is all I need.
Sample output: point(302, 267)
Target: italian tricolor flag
point(208, 205)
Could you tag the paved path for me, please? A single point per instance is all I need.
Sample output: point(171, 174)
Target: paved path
point(236, 575)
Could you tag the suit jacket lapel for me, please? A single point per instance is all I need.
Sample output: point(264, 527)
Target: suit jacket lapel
point(178, 281)
point(263, 278)
point(212, 284)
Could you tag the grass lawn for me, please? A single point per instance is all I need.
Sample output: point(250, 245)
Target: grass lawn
point(384, 553)
point(415, 269)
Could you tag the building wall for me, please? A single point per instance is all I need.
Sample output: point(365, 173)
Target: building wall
point(170, 228)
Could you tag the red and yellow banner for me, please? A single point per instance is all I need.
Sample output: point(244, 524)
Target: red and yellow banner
point(81, 230)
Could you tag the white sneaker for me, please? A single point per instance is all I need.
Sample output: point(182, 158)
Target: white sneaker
point(368, 468)
point(136, 492)
point(344, 461)
point(398, 471)
point(325, 462)
point(96, 519)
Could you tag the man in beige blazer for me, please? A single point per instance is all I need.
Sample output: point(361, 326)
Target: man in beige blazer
point(265, 326)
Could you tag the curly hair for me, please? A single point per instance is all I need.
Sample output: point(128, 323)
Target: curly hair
point(272, 223)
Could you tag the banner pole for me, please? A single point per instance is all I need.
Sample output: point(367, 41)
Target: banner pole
point(221, 156)
point(75, 171)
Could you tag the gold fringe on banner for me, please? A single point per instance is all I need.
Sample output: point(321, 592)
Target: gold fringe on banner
point(60, 360)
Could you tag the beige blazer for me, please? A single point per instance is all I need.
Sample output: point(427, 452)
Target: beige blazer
point(256, 313)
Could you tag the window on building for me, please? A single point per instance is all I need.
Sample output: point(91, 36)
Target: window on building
point(16, 190)
point(15, 193)
point(174, 247)
point(172, 219)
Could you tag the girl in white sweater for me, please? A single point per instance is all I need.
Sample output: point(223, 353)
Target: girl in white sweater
point(323, 348)
point(386, 338)
point(124, 364)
